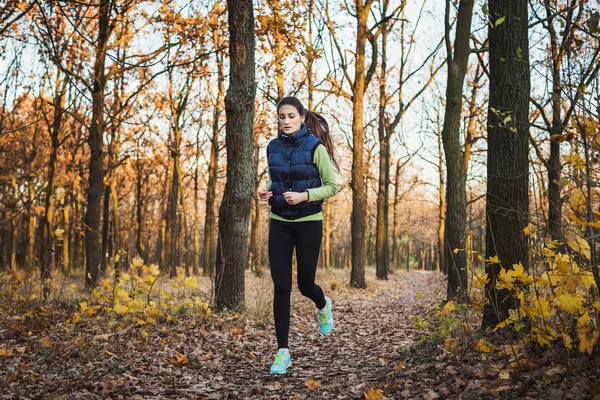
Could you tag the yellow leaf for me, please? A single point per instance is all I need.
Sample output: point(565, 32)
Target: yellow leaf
point(575, 160)
point(373, 394)
point(567, 340)
point(45, 341)
point(120, 309)
point(569, 302)
point(596, 305)
point(587, 338)
point(190, 282)
point(137, 262)
point(448, 309)
point(588, 279)
point(76, 318)
point(483, 347)
point(312, 384)
point(577, 201)
point(529, 230)
point(480, 280)
point(154, 270)
point(4, 352)
point(518, 270)
point(493, 260)
point(505, 279)
point(584, 319)
point(562, 263)
point(591, 126)
point(126, 277)
point(455, 251)
point(145, 334)
point(580, 245)
point(83, 306)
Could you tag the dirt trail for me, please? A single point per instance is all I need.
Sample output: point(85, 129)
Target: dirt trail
point(230, 357)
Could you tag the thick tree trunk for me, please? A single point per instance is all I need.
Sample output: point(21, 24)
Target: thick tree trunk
point(234, 213)
point(507, 202)
point(455, 230)
point(359, 194)
point(96, 174)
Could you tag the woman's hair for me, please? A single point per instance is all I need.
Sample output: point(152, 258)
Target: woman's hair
point(315, 123)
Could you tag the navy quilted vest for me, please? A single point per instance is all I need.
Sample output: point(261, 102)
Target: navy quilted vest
point(292, 169)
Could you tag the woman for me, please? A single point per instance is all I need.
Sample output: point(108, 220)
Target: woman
point(301, 176)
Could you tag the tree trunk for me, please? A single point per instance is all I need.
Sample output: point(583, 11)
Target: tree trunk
point(139, 209)
point(508, 175)
point(382, 259)
point(396, 229)
point(209, 254)
point(234, 213)
point(456, 189)
point(441, 265)
point(359, 194)
point(96, 174)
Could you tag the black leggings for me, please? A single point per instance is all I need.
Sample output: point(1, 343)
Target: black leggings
point(283, 237)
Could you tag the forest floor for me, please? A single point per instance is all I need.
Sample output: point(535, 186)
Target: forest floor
point(379, 349)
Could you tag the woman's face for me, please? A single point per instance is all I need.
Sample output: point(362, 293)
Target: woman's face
point(289, 119)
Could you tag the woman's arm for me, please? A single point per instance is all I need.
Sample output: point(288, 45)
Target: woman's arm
point(328, 176)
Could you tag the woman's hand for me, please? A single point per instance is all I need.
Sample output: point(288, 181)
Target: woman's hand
point(294, 198)
point(264, 194)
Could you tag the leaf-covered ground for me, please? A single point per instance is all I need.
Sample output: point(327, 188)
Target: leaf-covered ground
point(375, 351)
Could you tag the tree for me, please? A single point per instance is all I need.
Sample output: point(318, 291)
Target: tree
point(507, 202)
point(456, 203)
point(234, 212)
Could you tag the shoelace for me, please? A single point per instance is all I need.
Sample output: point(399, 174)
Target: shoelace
point(323, 317)
point(279, 358)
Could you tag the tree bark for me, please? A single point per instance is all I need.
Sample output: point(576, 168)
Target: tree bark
point(455, 229)
point(234, 213)
point(96, 174)
point(359, 194)
point(508, 142)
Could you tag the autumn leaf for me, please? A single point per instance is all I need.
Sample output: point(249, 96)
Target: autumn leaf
point(4, 352)
point(451, 345)
point(483, 347)
point(180, 359)
point(190, 282)
point(493, 260)
point(45, 341)
point(311, 384)
point(373, 394)
point(120, 309)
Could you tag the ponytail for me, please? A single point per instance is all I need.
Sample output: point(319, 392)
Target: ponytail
point(319, 127)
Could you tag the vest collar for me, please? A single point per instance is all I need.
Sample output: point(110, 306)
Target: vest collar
point(296, 138)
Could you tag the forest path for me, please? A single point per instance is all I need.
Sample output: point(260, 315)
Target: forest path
point(372, 326)
point(229, 357)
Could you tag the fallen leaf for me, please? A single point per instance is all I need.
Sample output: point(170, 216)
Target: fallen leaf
point(312, 384)
point(45, 341)
point(373, 394)
point(431, 395)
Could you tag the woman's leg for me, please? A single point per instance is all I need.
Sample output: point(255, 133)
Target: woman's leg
point(281, 246)
point(308, 246)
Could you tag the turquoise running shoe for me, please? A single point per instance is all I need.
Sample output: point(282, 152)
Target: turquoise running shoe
point(326, 318)
point(281, 363)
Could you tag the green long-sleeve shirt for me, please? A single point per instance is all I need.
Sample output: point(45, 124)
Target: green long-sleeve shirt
point(328, 189)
